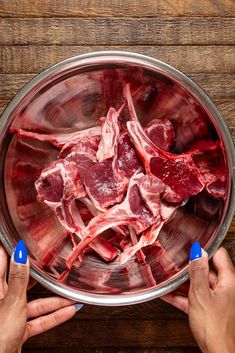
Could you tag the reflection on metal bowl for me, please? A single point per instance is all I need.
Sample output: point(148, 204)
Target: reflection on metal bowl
point(71, 96)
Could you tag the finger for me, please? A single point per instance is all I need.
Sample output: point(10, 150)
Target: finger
point(222, 262)
point(43, 306)
point(184, 288)
point(178, 301)
point(198, 269)
point(3, 272)
point(44, 323)
point(18, 274)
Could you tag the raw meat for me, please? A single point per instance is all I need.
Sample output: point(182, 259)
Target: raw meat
point(185, 113)
point(127, 159)
point(112, 81)
point(59, 140)
point(109, 136)
point(86, 145)
point(113, 189)
point(178, 172)
point(59, 186)
point(132, 211)
point(213, 173)
point(161, 133)
point(105, 184)
point(23, 166)
point(83, 153)
point(84, 211)
point(95, 212)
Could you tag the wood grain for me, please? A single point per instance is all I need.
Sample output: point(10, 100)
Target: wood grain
point(100, 31)
point(112, 8)
point(112, 350)
point(197, 37)
point(112, 333)
point(191, 59)
point(232, 226)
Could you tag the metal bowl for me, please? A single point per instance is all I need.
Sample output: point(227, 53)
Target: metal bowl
point(50, 102)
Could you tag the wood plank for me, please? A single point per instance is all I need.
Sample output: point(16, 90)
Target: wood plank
point(196, 59)
point(29, 348)
point(219, 86)
point(112, 8)
point(112, 333)
point(3, 105)
point(100, 31)
point(232, 227)
point(229, 244)
point(227, 110)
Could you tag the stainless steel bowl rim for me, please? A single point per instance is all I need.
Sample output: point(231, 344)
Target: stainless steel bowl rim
point(154, 64)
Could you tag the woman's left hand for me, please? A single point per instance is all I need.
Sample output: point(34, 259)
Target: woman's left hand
point(19, 319)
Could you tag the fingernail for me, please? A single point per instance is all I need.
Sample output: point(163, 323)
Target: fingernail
point(78, 306)
point(20, 253)
point(196, 251)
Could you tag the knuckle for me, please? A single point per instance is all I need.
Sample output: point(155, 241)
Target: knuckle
point(37, 308)
point(29, 331)
point(42, 324)
point(18, 275)
point(197, 267)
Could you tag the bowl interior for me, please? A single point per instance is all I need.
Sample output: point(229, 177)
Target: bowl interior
point(74, 99)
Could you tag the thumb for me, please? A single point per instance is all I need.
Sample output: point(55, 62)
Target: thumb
point(198, 269)
point(18, 274)
point(223, 263)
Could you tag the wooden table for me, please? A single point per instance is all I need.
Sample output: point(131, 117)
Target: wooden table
point(196, 37)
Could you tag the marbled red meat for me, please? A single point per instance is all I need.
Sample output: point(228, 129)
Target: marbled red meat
point(127, 159)
point(113, 187)
point(59, 186)
point(83, 153)
point(161, 133)
point(178, 172)
point(139, 209)
point(105, 184)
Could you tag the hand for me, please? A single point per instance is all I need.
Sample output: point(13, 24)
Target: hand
point(15, 312)
point(210, 303)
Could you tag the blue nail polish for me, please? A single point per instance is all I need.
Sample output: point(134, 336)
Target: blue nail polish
point(78, 306)
point(20, 253)
point(196, 251)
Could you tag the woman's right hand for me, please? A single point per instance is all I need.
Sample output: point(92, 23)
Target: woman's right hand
point(210, 303)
